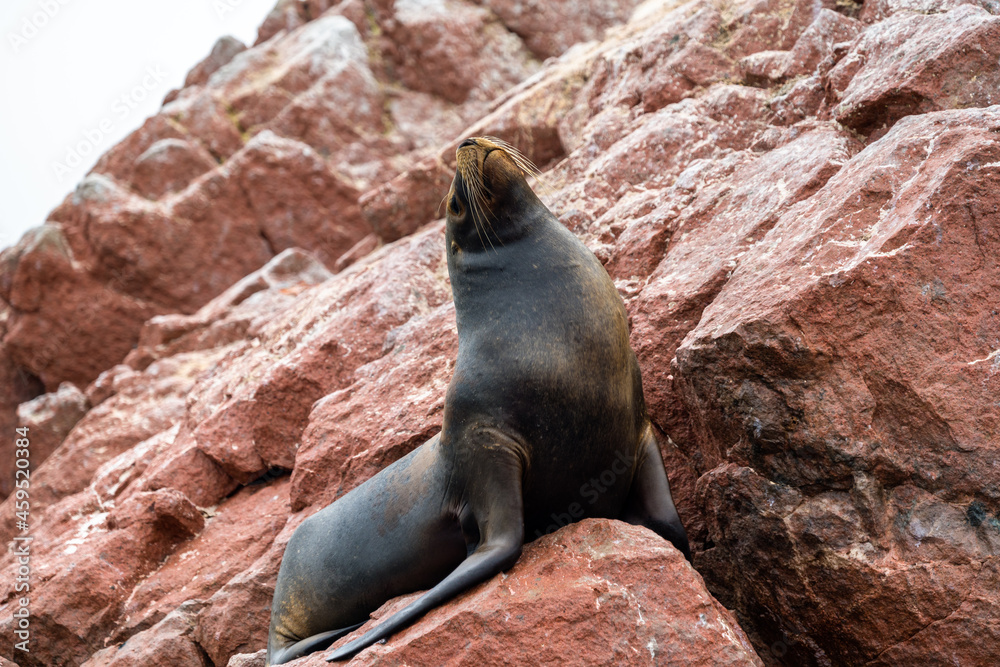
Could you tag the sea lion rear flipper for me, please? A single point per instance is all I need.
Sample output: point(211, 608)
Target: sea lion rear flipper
point(496, 503)
point(309, 645)
point(649, 502)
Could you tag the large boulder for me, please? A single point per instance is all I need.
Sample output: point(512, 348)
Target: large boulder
point(597, 592)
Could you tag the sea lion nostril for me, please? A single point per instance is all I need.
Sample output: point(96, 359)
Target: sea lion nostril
point(467, 142)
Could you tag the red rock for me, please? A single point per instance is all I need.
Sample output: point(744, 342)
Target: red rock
point(168, 510)
point(422, 123)
point(879, 10)
point(118, 162)
point(237, 616)
point(72, 518)
point(202, 115)
point(168, 166)
point(288, 15)
point(189, 470)
point(168, 643)
point(657, 151)
point(315, 207)
point(395, 406)
point(224, 50)
point(248, 597)
point(176, 239)
point(117, 475)
point(258, 659)
point(454, 50)
point(227, 438)
point(549, 28)
point(818, 40)
point(891, 463)
point(97, 574)
point(112, 428)
point(357, 308)
point(109, 383)
point(291, 85)
point(407, 202)
point(228, 317)
point(768, 24)
point(694, 261)
point(365, 246)
point(55, 304)
point(765, 67)
point(593, 593)
point(528, 117)
point(49, 419)
point(353, 134)
point(912, 64)
point(16, 387)
point(259, 83)
point(238, 532)
point(661, 64)
point(802, 99)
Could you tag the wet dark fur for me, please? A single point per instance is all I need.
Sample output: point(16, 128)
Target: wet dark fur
point(544, 422)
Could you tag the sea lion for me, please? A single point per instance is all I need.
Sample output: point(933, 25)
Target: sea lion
point(544, 424)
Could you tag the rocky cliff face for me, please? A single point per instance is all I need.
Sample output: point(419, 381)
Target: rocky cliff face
point(798, 201)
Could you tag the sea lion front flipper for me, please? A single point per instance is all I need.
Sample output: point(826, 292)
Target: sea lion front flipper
point(496, 503)
point(649, 502)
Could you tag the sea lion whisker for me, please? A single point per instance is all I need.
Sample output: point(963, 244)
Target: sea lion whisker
point(486, 213)
point(491, 229)
point(527, 167)
point(475, 207)
point(479, 200)
point(475, 223)
point(481, 235)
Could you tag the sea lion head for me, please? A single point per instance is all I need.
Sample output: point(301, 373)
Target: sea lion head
point(490, 202)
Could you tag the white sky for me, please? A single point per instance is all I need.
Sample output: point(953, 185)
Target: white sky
point(70, 73)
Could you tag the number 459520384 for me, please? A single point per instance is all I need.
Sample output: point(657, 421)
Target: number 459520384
point(21, 475)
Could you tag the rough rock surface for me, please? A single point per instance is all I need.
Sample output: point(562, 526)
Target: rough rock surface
point(592, 593)
point(50, 417)
point(243, 312)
